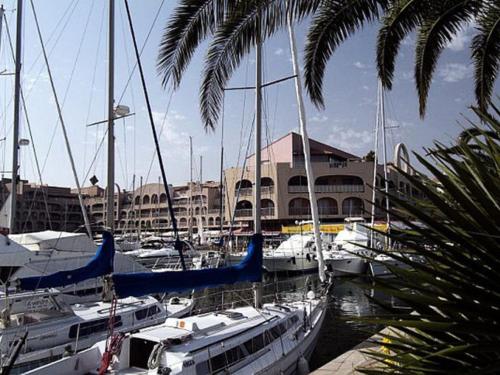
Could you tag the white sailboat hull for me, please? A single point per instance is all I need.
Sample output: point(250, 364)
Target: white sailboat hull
point(347, 266)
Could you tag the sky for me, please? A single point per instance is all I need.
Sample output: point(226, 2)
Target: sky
point(75, 35)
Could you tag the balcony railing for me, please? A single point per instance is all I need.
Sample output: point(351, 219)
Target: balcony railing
point(297, 189)
point(244, 212)
point(299, 211)
point(267, 211)
point(339, 188)
point(328, 211)
point(267, 189)
point(244, 192)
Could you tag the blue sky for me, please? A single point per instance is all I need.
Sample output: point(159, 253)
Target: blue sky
point(78, 60)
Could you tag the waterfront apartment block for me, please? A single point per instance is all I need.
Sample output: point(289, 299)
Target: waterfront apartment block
point(342, 184)
point(41, 207)
point(146, 208)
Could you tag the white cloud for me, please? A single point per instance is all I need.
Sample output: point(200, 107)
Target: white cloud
point(319, 118)
point(177, 140)
point(461, 40)
point(365, 87)
point(279, 52)
point(360, 65)
point(350, 139)
point(408, 41)
point(454, 72)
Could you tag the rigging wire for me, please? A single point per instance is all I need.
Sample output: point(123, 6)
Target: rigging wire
point(142, 50)
point(82, 206)
point(35, 154)
point(178, 244)
point(89, 106)
point(68, 86)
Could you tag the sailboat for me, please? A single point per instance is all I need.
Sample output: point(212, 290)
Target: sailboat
point(270, 338)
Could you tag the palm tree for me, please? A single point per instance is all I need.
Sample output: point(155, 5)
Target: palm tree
point(234, 26)
point(454, 295)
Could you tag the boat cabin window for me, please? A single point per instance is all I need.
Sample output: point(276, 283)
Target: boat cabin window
point(147, 312)
point(94, 326)
point(254, 344)
point(221, 362)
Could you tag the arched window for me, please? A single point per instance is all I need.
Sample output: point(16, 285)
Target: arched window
point(163, 198)
point(145, 199)
point(217, 221)
point(267, 207)
point(137, 200)
point(210, 221)
point(243, 208)
point(244, 187)
point(266, 181)
point(183, 222)
point(352, 206)
point(197, 211)
point(154, 199)
point(299, 207)
point(297, 184)
point(328, 206)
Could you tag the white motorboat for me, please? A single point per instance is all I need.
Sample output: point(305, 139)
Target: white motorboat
point(274, 339)
point(342, 263)
point(296, 254)
point(54, 327)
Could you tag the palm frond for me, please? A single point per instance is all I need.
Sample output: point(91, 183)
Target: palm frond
point(402, 17)
point(454, 295)
point(486, 53)
point(443, 21)
point(333, 23)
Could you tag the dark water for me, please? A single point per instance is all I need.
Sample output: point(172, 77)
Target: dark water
point(340, 332)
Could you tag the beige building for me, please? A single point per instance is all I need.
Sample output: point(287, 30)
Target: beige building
point(147, 207)
point(41, 207)
point(342, 184)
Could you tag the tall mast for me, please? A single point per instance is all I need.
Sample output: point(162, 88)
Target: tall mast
point(110, 194)
point(375, 162)
point(190, 188)
point(140, 209)
point(258, 131)
point(386, 184)
point(221, 181)
point(15, 136)
point(307, 156)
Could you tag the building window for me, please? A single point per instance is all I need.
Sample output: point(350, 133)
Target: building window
point(299, 207)
point(352, 207)
point(297, 184)
point(327, 206)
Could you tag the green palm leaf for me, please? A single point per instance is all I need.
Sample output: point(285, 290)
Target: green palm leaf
point(333, 23)
point(402, 17)
point(455, 293)
point(486, 52)
point(441, 24)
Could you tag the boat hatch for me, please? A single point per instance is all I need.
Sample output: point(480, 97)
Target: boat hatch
point(194, 326)
point(232, 314)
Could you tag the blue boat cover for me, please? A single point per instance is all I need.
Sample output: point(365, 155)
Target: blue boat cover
point(140, 284)
point(101, 264)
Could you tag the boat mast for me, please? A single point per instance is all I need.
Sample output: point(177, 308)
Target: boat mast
point(375, 162)
point(190, 189)
point(386, 180)
point(110, 193)
point(15, 132)
point(307, 156)
point(258, 131)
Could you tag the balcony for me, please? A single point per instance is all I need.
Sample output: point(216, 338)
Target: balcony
point(328, 211)
point(339, 188)
point(267, 190)
point(243, 212)
point(268, 211)
point(244, 192)
point(297, 189)
point(299, 211)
